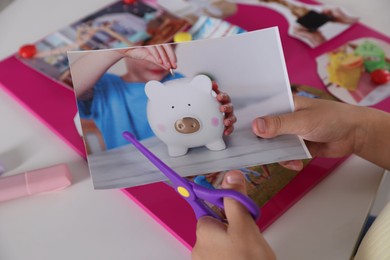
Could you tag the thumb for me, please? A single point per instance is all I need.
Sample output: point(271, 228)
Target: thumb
point(235, 212)
point(271, 126)
point(289, 123)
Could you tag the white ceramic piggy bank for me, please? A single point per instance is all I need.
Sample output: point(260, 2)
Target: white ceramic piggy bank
point(184, 113)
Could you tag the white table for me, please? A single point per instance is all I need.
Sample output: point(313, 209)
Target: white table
point(81, 223)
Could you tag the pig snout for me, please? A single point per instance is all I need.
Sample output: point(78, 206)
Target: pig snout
point(187, 125)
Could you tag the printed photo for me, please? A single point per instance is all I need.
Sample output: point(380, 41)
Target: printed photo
point(313, 24)
point(166, 96)
point(358, 72)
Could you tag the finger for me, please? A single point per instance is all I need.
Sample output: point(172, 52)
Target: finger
point(226, 108)
point(271, 126)
point(295, 165)
point(315, 149)
point(228, 130)
point(208, 225)
point(171, 55)
point(223, 98)
point(236, 214)
point(210, 233)
point(164, 56)
point(229, 121)
point(215, 87)
point(156, 56)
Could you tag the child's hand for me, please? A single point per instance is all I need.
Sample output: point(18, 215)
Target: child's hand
point(161, 55)
point(239, 239)
point(227, 108)
point(331, 129)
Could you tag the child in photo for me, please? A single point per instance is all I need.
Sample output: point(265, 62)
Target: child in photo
point(118, 103)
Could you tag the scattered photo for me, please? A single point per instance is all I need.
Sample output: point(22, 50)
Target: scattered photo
point(357, 72)
point(313, 24)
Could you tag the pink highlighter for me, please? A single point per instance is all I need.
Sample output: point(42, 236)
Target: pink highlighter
point(32, 182)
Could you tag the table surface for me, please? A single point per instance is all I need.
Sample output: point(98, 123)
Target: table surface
point(81, 223)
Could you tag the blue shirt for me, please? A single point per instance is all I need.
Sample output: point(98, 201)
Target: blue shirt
point(118, 106)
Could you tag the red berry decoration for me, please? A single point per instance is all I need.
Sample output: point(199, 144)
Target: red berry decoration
point(380, 76)
point(27, 51)
point(129, 2)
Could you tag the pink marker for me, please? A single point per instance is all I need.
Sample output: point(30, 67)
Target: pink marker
point(43, 180)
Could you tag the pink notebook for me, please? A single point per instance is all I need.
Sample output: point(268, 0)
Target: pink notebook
point(56, 108)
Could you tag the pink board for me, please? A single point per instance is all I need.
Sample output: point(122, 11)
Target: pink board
point(50, 102)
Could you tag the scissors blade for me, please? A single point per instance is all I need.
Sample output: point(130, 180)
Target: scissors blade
point(181, 184)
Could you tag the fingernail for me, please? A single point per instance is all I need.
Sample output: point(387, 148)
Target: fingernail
point(235, 179)
point(294, 165)
point(260, 124)
point(221, 96)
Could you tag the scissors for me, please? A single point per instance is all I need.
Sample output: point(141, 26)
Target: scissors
point(195, 194)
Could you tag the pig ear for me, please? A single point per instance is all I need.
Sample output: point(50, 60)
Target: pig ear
point(202, 82)
point(153, 88)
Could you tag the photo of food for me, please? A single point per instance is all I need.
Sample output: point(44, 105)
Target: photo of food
point(357, 72)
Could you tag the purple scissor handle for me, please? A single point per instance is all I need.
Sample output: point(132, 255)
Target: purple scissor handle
point(195, 194)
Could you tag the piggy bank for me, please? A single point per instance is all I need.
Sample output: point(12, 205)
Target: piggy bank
point(184, 113)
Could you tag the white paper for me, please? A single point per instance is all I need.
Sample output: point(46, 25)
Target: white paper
point(249, 67)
